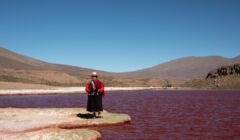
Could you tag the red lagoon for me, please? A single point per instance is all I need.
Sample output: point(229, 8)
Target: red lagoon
point(156, 114)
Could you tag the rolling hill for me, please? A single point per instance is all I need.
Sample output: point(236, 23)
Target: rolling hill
point(15, 67)
point(19, 68)
point(222, 77)
point(184, 68)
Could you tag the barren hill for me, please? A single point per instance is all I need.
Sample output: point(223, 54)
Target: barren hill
point(19, 68)
point(184, 68)
point(223, 77)
point(15, 67)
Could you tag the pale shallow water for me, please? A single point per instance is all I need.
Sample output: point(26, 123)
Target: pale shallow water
point(169, 114)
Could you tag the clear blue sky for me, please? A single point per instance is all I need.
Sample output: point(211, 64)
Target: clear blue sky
point(120, 35)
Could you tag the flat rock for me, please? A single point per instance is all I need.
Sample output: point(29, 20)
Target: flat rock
point(54, 134)
point(24, 123)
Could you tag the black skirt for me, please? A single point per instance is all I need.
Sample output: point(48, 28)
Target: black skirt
point(94, 103)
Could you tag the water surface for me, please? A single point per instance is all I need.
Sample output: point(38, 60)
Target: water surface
point(168, 114)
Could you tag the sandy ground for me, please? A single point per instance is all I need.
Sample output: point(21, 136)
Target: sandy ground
point(65, 123)
point(15, 85)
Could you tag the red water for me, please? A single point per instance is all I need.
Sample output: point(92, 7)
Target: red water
point(199, 114)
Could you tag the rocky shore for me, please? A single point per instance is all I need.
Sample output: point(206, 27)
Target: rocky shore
point(54, 123)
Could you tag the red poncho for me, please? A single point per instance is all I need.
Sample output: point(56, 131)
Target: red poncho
point(98, 84)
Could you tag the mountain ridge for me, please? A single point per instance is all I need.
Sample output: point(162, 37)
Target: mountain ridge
point(178, 70)
point(185, 68)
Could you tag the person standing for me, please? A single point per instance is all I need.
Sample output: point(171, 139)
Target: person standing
point(95, 91)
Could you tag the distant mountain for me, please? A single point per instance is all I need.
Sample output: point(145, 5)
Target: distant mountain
point(184, 68)
point(12, 60)
point(236, 59)
point(227, 77)
point(224, 71)
point(19, 68)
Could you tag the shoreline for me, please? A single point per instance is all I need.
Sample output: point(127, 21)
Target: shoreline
point(64, 90)
point(61, 90)
point(72, 90)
